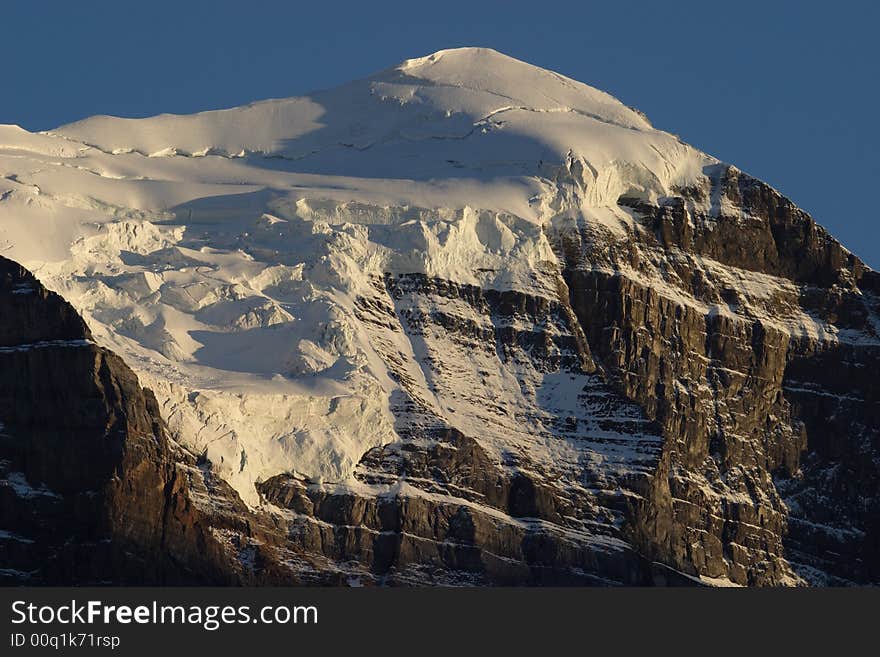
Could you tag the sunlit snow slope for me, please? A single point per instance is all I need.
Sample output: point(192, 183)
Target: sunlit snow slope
point(222, 253)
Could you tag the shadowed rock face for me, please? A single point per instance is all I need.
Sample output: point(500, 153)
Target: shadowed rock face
point(699, 403)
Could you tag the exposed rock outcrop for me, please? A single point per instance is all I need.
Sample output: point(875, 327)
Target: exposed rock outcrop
point(753, 353)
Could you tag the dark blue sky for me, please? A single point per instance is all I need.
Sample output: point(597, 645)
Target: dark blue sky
point(787, 91)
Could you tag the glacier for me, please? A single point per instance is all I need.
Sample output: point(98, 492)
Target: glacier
point(223, 253)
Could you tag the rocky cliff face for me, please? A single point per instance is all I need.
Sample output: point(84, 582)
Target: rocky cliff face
point(749, 334)
point(437, 506)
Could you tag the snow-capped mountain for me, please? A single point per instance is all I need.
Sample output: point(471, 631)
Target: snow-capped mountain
point(468, 320)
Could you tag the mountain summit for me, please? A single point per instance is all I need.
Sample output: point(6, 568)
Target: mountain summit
point(469, 321)
point(468, 110)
